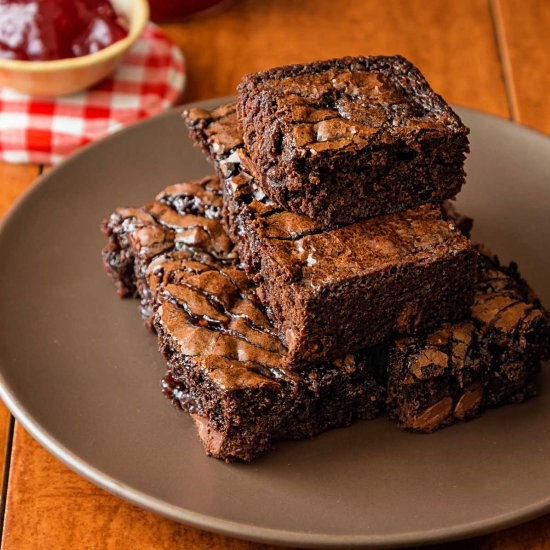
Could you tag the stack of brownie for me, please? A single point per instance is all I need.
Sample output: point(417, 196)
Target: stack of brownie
point(321, 277)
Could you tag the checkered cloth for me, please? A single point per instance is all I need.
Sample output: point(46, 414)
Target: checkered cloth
point(149, 79)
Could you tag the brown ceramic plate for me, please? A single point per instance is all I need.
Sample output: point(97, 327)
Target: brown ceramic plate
point(81, 373)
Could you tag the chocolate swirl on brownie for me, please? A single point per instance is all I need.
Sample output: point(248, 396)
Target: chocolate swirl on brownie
point(184, 220)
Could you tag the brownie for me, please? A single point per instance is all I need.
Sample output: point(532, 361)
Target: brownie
point(334, 291)
point(514, 326)
point(352, 138)
point(488, 360)
point(437, 378)
point(183, 220)
point(226, 365)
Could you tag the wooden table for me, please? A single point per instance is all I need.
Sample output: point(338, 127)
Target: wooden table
point(492, 55)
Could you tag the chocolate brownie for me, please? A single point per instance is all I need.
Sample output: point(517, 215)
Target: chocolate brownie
point(437, 378)
point(226, 364)
point(183, 220)
point(332, 291)
point(490, 359)
point(514, 326)
point(225, 367)
point(352, 138)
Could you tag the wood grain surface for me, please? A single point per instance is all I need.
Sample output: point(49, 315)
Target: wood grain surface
point(493, 55)
point(523, 27)
point(14, 179)
point(249, 36)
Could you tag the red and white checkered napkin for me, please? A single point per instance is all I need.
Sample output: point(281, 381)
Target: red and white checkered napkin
point(149, 79)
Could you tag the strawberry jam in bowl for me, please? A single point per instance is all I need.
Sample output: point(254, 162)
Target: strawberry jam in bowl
point(44, 30)
point(55, 47)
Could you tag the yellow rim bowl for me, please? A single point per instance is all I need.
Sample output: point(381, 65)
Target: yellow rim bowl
point(65, 76)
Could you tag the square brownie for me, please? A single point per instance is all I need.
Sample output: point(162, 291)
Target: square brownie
point(226, 365)
point(489, 360)
point(352, 138)
point(332, 291)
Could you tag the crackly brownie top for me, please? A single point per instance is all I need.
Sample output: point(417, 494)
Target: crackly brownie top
point(307, 250)
point(349, 102)
point(211, 314)
point(504, 301)
point(217, 130)
point(183, 217)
